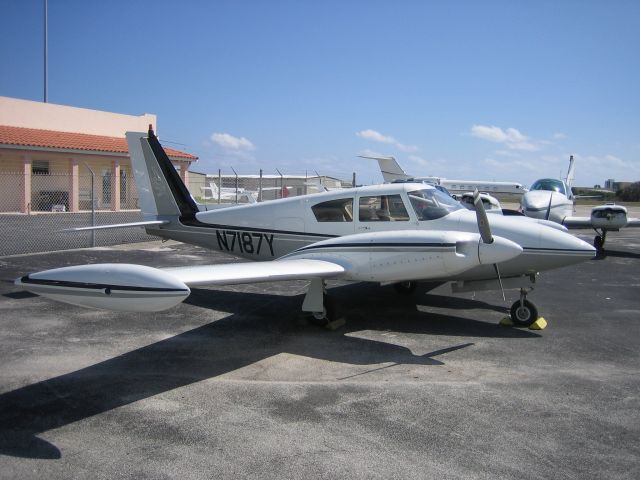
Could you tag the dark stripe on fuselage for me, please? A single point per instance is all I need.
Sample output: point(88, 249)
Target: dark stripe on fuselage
point(194, 222)
point(376, 245)
point(560, 250)
point(95, 286)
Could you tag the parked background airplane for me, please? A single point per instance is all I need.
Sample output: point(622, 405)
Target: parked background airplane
point(391, 233)
point(212, 192)
point(553, 199)
point(392, 171)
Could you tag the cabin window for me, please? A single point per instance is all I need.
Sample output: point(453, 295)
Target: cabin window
point(340, 210)
point(430, 204)
point(40, 167)
point(382, 208)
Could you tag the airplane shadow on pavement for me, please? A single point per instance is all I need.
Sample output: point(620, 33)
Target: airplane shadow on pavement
point(260, 326)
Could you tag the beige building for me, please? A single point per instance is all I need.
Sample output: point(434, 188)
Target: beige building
point(48, 151)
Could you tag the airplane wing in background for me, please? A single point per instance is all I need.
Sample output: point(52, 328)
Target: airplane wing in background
point(588, 222)
point(577, 222)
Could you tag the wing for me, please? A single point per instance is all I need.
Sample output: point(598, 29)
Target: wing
point(577, 222)
point(251, 272)
point(587, 222)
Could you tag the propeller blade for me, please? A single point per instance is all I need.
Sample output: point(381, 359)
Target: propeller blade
point(495, 267)
point(546, 217)
point(483, 221)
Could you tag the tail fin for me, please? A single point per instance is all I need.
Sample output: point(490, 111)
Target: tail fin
point(570, 172)
point(161, 190)
point(389, 168)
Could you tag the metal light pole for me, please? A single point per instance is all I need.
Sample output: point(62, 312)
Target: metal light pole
point(46, 50)
point(236, 174)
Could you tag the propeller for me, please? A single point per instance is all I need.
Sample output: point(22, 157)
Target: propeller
point(546, 217)
point(485, 232)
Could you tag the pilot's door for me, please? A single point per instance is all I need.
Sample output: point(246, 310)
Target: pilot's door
point(378, 213)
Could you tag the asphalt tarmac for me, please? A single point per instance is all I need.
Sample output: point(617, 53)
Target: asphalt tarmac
point(235, 383)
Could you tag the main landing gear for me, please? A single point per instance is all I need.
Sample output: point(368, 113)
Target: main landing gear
point(523, 312)
point(320, 305)
point(405, 288)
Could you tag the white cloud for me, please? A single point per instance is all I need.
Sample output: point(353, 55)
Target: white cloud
point(559, 136)
point(510, 138)
point(380, 138)
point(229, 142)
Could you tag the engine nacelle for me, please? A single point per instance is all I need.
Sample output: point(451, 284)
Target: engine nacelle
point(609, 217)
point(111, 286)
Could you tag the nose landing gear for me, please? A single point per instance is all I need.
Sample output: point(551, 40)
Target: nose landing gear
point(524, 313)
point(598, 240)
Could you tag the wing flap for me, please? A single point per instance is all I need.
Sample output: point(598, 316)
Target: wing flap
point(250, 272)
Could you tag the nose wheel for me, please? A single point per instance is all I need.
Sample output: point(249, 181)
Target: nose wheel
point(599, 240)
point(523, 312)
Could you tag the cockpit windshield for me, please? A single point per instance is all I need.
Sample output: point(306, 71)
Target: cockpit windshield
point(430, 204)
point(549, 185)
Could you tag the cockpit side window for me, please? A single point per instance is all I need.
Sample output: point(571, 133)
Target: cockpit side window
point(382, 208)
point(431, 204)
point(340, 210)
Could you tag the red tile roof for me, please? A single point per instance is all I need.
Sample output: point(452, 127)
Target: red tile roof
point(31, 137)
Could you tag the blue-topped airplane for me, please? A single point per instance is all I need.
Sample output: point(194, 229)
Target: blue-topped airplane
point(391, 233)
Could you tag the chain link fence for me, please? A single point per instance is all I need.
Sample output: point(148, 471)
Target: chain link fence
point(34, 209)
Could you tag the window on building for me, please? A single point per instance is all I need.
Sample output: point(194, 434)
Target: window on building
point(40, 167)
point(340, 210)
point(382, 208)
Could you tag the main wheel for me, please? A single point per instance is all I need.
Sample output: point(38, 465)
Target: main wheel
point(327, 315)
point(523, 315)
point(405, 288)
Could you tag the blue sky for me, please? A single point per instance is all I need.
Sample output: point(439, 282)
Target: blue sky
point(502, 90)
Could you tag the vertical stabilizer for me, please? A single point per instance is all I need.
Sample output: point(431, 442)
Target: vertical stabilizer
point(570, 172)
point(161, 190)
point(389, 168)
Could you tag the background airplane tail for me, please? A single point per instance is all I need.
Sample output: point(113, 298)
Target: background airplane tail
point(570, 172)
point(389, 168)
point(161, 190)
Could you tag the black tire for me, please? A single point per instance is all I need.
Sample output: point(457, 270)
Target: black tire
point(405, 288)
point(598, 243)
point(328, 315)
point(525, 315)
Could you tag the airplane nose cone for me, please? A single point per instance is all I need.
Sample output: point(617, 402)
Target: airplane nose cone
point(500, 250)
point(536, 201)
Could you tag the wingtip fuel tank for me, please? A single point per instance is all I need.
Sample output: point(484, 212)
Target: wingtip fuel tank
point(109, 286)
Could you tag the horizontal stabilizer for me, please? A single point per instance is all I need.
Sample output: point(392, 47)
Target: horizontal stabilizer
point(117, 225)
point(250, 272)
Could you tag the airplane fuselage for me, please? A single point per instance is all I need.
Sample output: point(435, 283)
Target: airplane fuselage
point(267, 231)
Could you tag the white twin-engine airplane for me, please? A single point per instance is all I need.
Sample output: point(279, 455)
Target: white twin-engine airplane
point(552, 199)
point(392, 233)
